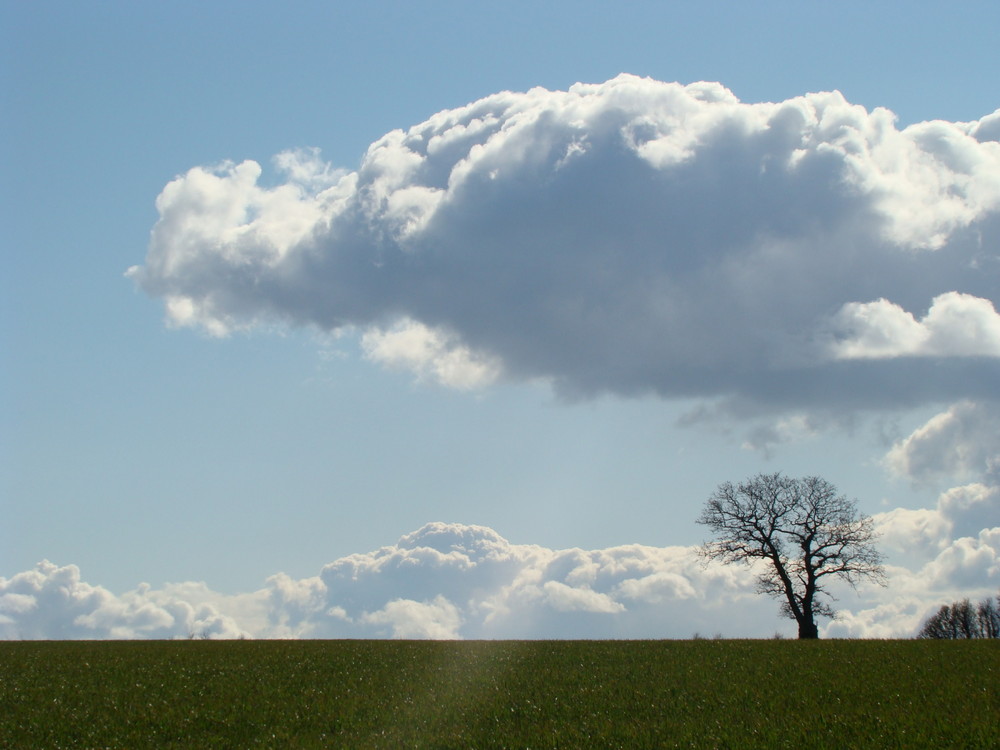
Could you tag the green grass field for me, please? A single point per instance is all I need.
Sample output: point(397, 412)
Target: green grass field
point(514, 694)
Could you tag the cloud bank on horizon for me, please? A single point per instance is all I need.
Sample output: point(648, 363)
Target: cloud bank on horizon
point(462, 581)
point(447, 581)
point(629, 237)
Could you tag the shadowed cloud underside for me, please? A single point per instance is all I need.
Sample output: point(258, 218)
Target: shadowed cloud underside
point(628, 237)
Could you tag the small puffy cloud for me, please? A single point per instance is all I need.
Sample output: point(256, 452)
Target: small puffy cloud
point(961, 512)
point(900, 617)
point(986, 129)
point(430, 354)
point(960, 442)
point(971, 508)
point(956, 325)
point(627, 237)
point(968, 562)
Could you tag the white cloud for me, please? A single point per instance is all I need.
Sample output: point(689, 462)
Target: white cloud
point(986, 129)
point(430, 354)
point(627, 237)
point(53, 602)
point(565, 598)
point(918, 583)
point(914, 533)
point(971, 508)
point(438, 619)
point(924, 534)
point(900, 617)
point(456, 581)
point(956, 325)
point(441, 581)
point(968, 562)
point(948, 552)
point(959, 443)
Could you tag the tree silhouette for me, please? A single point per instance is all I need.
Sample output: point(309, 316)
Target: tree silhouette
point(803, 529)
point(964, 620)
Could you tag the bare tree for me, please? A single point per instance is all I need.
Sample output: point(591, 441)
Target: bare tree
point(939, 625)
point(803, 529)
point(989, 618)
point(963, 620)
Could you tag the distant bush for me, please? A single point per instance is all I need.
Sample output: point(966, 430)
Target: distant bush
point(964, 620)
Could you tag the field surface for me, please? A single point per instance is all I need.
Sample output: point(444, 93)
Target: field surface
point(502, 694)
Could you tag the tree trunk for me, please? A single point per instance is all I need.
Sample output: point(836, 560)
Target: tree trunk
point(808, 629)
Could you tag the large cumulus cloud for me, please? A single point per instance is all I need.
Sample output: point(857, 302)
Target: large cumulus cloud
point(627, 237)
point(453, 580)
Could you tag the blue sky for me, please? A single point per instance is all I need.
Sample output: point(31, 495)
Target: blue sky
point(145, 452)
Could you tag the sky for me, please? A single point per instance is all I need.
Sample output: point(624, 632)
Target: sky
point(445, 319)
